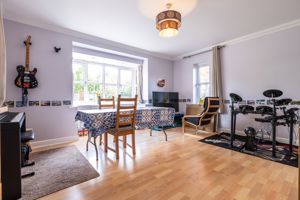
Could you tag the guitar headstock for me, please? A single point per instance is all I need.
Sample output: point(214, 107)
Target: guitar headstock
point(27, 42)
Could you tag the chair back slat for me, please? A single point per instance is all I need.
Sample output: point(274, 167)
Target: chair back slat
point(127, 99)
point(126, 123)
point(122, 107)
point(107, 99)
point(126, 114)
point(107, 106)
point(111, 103)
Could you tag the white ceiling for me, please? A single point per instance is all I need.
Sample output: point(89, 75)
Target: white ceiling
point(132, 22)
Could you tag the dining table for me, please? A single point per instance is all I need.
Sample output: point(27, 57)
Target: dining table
point(99, 121)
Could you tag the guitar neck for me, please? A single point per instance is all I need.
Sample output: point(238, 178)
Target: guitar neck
point(27, 59)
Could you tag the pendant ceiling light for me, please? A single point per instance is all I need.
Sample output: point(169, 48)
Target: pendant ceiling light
point(168, 22)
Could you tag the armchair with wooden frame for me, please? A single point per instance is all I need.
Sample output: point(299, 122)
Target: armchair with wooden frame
point(125, 125)
point(211, 108)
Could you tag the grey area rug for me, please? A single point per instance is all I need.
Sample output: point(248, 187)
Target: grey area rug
point(55, 170)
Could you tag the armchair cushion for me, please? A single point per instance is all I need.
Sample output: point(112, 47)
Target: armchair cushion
point(193, 120)
point(211, 103)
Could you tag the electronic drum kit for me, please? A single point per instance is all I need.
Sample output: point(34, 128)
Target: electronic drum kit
point(269, 115)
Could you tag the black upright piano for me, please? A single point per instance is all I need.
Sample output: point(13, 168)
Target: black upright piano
point(11, 126)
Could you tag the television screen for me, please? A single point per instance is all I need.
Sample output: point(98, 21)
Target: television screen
point(166, 99)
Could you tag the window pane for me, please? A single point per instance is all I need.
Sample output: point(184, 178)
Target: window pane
point(78, 91)
point(204, 90)
point(99, 88)
point(194, 76)
point(195, 94)
point(126, 77)
point(95, 73)
point(111, 75)
point(93, 89)
point(92, 97)
point(126, 91)
point(204, 74)
point(77, 72)
point(110, 91)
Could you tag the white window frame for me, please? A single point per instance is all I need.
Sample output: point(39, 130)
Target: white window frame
point(85, 64)
point(197, 84)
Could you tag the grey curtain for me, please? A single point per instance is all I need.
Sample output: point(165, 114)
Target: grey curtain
point(140, 83)
point(2, 60)
point(217, 75)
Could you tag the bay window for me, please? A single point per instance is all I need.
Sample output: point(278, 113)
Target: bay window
point(100, 76)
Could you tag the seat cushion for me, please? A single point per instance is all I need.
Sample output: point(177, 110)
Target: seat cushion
point(27, 136)
point(193, 120)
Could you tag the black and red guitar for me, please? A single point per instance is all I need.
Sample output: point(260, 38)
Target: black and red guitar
point(26, 78)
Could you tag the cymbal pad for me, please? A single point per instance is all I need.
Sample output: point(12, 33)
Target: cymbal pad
point(272, 93)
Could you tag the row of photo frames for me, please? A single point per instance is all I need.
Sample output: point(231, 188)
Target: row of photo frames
point(259, 102)
point(185, 100)
point(179, 100)
point(19, 104)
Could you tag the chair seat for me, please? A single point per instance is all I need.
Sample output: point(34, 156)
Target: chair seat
point(124, 128)
point(193, 120)
point(27, 136)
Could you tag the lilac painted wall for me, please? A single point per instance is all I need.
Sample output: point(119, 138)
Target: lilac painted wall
point(183, 76)
point(253, 66)
point(249, 68)
point(55, 74)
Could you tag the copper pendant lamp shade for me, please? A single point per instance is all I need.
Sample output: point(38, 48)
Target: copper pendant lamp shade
point(168, 22)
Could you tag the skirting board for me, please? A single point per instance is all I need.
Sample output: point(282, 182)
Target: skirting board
point(53, 142)
point(278, 139)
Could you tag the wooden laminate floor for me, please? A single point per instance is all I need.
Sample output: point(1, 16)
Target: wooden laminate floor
point(182, 168)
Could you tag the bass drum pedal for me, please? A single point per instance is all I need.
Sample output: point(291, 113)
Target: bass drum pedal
point(250, 144)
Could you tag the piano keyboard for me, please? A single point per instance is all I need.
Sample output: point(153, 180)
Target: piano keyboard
point(7, 116)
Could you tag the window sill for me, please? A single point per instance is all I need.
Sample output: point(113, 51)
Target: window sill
point(85, 106)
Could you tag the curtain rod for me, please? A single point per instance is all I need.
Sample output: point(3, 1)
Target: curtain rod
point(202, 52)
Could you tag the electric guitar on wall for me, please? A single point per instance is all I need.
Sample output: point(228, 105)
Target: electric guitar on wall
point(26, 78)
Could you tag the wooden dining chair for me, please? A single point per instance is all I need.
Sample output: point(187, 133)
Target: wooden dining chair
point(105, 103)
point(125, 125)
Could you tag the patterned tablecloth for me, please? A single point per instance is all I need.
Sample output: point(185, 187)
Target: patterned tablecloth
point(99, 121)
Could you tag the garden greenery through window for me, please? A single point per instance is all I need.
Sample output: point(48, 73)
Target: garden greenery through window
point(94, 76)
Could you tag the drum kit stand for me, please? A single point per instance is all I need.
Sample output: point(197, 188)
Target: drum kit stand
point(270, 114)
